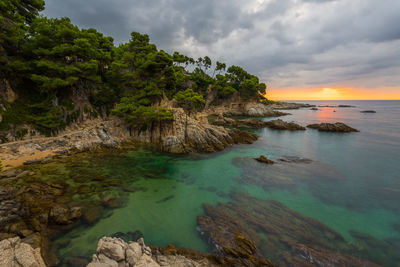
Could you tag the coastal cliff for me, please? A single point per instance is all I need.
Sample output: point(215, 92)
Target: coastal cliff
point(183, 134)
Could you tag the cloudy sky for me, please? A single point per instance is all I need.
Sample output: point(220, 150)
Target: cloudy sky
point(300, 48)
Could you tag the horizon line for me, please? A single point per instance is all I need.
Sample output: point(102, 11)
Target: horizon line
point(334, 99)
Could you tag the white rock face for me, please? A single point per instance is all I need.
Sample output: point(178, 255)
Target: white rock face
point(186, 134)
point(14, 253)
point(114, 252)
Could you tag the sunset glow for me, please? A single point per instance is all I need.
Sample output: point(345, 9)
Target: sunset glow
point(328, 93)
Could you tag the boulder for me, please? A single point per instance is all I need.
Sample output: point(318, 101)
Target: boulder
point(113, 248)
point(13, 252)
point(116, 252)
point(332, 127)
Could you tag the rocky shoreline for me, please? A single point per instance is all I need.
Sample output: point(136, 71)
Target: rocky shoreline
point(34, 211)
point(116, 252)
point(184, 135)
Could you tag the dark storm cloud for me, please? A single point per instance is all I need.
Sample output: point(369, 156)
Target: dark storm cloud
point(286, 42)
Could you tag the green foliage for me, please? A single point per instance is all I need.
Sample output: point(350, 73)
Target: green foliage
point(39, 113)
point(15, 15)
point(190, 100)
point(248, 85)
point(139, 68)
point(136, 114)
point(223, 87)
point(58, 55)
point(1, 165)
point(52, 63)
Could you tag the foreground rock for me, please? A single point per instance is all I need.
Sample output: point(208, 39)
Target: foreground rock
point(14, 253)
point(116, 252)
point(332, 127)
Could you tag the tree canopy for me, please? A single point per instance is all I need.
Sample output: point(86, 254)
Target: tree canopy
point(50, 60)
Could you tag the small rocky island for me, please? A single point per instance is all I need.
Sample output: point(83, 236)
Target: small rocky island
point(332, 127)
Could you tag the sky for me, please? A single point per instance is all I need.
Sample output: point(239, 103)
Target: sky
point(302, 49)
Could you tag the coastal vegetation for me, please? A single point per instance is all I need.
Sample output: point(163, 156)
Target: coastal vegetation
point(61, 73)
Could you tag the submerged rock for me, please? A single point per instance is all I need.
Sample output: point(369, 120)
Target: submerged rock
point(332, 127)
point(129, 236)
point(263, 159)
point(283, 125)
point(250, 227)
point(295, 160)
point(92, 214)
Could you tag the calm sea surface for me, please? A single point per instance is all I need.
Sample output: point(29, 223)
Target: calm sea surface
point(352, 184)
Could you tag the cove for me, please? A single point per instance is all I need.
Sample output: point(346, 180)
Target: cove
point(344, 186)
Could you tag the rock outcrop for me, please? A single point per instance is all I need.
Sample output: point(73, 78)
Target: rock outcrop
point(34, 212)
point(186, 134)
point(251, 109)
point(251, 123)
point(288, 106)
point(116, 252)
point(368, 111)
point(263, 159)
point(332, 127)
point(283, 125)
point(14, 253)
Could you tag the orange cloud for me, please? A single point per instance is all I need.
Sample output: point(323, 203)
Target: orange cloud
point(334, 94)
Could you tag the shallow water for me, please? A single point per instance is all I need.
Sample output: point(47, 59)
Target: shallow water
point(352, 183)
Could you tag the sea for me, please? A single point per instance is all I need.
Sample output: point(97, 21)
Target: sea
point(349, 182)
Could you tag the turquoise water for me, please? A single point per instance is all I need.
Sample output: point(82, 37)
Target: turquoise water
point(352, 183)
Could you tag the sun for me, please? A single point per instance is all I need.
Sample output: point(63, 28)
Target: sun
point(328, 93)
